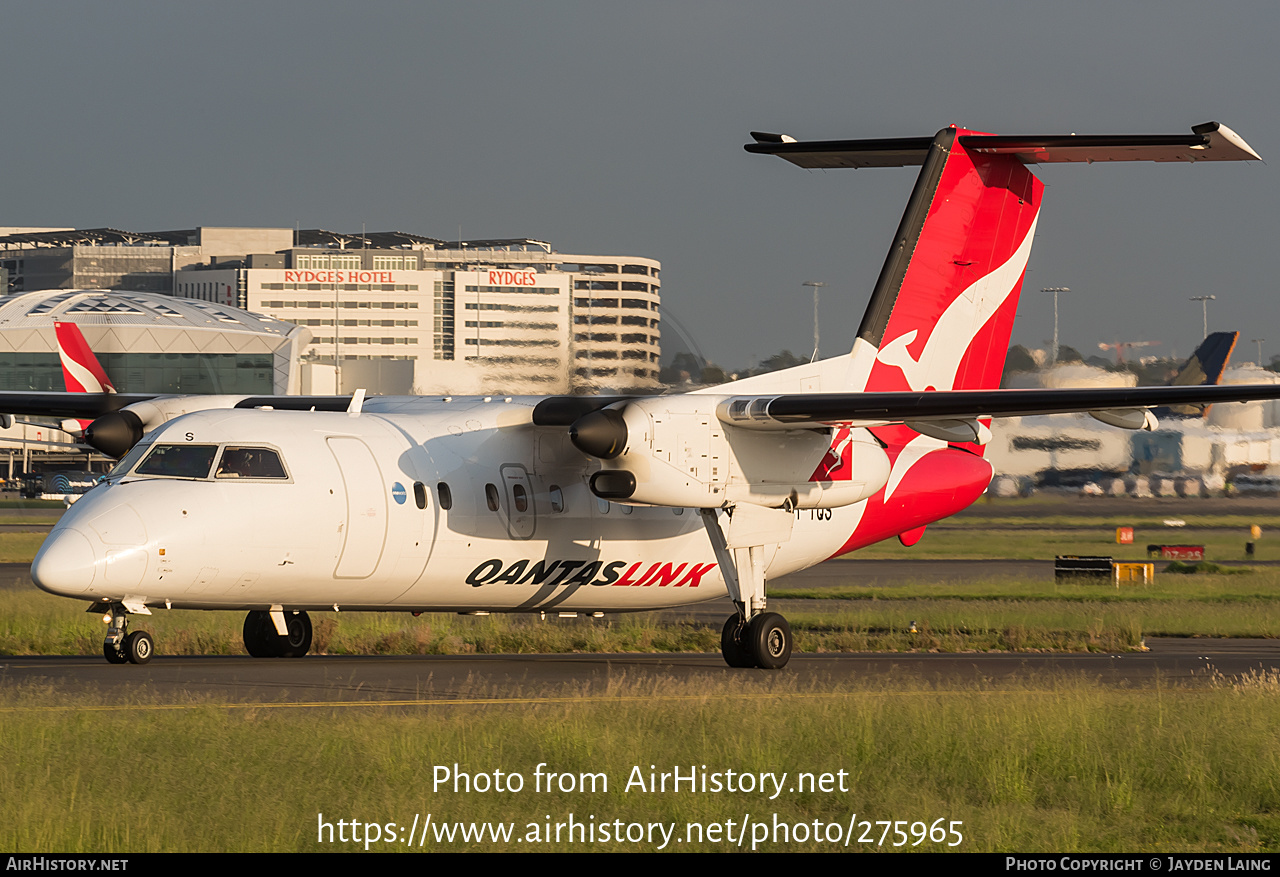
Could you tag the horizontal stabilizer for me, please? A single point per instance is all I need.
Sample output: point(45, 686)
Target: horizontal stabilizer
point(1210, 141)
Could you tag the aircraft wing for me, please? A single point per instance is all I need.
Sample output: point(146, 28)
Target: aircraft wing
point(799, 411)
point(49, 404)
point(42, 404)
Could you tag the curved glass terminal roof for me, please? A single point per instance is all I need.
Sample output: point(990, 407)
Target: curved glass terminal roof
point(120, 308)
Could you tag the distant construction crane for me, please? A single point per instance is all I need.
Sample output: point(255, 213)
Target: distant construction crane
point(1120, 346)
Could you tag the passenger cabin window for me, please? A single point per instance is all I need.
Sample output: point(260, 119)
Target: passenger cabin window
point(520, 498)
point(491, 497)
point(179, 461)
point(557, 499)
point(446, 496)
point(420, 494)
point(250, 463)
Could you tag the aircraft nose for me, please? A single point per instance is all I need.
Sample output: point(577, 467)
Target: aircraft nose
point(65, 564)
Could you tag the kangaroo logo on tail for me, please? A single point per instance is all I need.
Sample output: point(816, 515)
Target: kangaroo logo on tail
point(956, 328)
point(81, 370)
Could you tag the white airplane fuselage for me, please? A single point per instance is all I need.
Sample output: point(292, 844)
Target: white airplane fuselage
point(574, 504)
point(344, 528)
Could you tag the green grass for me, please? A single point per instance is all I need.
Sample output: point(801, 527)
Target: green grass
point(1046, 765)
point(981, 625)
point(1152, 524)
point(1012, 613)
point(1036, 543)
point(20, 547)
point(1231, 585)
point(32, 622)
point(32, 504)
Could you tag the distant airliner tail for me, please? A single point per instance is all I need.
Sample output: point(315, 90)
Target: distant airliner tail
point(81, 371)
point(1204, 368)
point(1209, 360)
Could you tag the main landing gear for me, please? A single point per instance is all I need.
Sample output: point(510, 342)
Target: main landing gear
point(752, 637)
point(764, 641)
point(263, 637)
point(121, 647)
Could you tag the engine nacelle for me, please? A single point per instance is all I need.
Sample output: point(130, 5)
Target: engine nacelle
point(673, 451)
point(116, 432)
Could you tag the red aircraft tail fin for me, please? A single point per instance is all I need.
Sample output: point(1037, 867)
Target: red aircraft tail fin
point(943, 307)
point(81, 370)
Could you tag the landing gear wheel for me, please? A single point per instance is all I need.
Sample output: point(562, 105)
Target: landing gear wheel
point(259, 634)
point(296, 643)
point(113, 654)
point(138, 647)
point(768, 641)
point(262, 641)
point(732, 644)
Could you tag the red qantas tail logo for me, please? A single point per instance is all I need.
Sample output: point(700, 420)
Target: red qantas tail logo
point(80, 368)
point(951, 314)
point(941, 320)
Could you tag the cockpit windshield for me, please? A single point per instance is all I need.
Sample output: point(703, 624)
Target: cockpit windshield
point(128, 461)
point(196, 461)
point(178, 461)
point(250, 463)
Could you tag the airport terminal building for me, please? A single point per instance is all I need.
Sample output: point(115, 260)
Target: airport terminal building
point(390, 312)
point(147, 343)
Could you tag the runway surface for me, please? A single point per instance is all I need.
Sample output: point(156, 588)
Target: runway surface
point(471, 678)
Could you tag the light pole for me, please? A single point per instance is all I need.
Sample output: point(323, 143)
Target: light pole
point(817, 285)
point(337, 354)
point(1053, 358)
point(1204, 302)
point(1258, 341)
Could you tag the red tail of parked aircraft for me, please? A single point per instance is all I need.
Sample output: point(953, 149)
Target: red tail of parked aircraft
point(81, 370)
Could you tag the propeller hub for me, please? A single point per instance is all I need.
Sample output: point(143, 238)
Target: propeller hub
point(114, 433)
point(601, 434)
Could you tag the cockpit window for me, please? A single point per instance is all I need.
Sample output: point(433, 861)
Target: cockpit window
point(250, 463)
point(128, 460)
point(179, 461)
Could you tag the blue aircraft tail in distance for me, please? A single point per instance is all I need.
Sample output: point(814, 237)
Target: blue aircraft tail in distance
point(1205, 367)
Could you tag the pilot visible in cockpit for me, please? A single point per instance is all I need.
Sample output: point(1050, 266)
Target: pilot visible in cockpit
point(249, 463)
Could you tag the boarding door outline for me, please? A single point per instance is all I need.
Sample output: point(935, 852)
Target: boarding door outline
point(366, 508)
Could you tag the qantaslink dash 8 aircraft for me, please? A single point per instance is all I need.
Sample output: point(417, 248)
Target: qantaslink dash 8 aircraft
point(584, 505)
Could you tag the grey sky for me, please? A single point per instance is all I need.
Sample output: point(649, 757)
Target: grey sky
point(618, 128)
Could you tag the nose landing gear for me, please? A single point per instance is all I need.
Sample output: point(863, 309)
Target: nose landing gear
point(119, 647)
